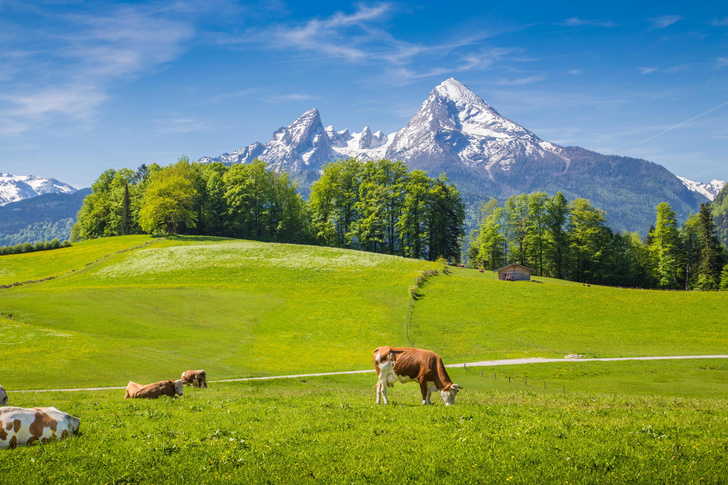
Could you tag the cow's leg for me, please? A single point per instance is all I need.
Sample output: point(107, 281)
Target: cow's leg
point(425, 390)
point(382, 391)
point(383, 385)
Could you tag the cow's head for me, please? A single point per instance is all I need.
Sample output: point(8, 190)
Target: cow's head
point(448, 394)
point(3, 397)
point(179, 385)
point(74, 424)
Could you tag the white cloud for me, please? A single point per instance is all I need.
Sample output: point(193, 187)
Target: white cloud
point(722, 61)
point(577, 22)
point(647, 70)
point(664, 21)
point(521, 81)
point(65, 70)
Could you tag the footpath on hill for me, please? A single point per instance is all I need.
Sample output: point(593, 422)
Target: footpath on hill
point(484, 363)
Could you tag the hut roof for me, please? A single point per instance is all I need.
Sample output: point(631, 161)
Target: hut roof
point(515, 265)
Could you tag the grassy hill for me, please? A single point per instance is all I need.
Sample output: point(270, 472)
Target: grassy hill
point(144, 309)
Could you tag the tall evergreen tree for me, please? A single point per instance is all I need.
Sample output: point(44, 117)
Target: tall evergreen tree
point(712, 256)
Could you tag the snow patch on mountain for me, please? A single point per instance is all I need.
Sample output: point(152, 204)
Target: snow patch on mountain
point(709, 190)
point(19, 187)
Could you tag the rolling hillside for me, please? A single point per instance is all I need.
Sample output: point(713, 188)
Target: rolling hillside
point(143, 308)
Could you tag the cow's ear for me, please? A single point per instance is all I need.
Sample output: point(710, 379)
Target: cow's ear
point(456, 387)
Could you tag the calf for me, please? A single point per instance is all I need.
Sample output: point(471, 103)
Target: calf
point(21, 426)
point(153, 391)
point(402, 364)
point(3, 397)
point(196, 378)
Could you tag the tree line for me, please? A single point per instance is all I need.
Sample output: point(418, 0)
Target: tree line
point(376, 206)
point(571, 240)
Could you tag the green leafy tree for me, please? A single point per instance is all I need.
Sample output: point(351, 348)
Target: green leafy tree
point(665, 247)
point(536, 239)
point(169, 204)
point(490, 241)
point(588, 236)
point(556, 220)
point(94, 219)
point(518, 227)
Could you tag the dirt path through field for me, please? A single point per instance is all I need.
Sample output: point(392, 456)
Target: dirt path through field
point(485, 363)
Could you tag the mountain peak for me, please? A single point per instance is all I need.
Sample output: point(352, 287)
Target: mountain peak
point(457, 92)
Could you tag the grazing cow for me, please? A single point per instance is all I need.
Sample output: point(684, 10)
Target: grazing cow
point(153, 391)
point(196, 378)
point(21, 426)
point(3, 397)
point(401, 364)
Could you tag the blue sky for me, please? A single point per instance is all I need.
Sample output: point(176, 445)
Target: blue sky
point(88, 86)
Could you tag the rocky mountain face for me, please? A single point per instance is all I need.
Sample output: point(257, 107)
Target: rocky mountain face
point(14, 188)
point(487, 155)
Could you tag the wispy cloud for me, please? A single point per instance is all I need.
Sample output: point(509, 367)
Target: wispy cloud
point(722, 61)
point(521, 81)
point(647, 70)
point(65, 71)
point(664, 21)
point(720, 22)
point(362, 38)
point(577, 22)
point(285, 98)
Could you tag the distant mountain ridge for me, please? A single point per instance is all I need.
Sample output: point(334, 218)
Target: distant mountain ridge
point(458, 133)
point(42, 218)
point(14, 188)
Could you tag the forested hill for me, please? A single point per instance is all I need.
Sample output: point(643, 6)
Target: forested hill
point(719, 206)
point(42, 218)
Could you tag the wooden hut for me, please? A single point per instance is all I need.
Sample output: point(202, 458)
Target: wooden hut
point(515, 272)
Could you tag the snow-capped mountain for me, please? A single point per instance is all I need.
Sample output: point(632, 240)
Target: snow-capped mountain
point(709, 190)
point(18, 187)
point(306, 145)
point(456, 132)
point(455, 126)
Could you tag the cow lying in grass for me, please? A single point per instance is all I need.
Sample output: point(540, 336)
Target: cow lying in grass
point(153, 391)
point(402, 364)
point(195, 378)
point(21, 426)
point(3, 397)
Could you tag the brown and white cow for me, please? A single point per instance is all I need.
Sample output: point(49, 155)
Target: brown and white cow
point(21, 426)
point(153, 391)
point(196, 378)
point(403, 364)
point(3, 397)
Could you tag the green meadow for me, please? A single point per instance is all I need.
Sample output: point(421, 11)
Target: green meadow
point(145, 309)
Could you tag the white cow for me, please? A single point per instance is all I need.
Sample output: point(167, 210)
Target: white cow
point(24, 426)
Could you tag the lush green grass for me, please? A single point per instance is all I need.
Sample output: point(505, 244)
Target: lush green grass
point(240, 308)
point(467, 314)
point(328, 430)
point(18, 268)
point(234, 308)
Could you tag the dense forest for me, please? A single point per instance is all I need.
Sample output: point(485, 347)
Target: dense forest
point(382, 206)
point(376, 206)
point(570, 240)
